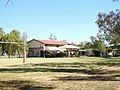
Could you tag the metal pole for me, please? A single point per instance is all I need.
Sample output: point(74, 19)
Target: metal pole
point(24, 52)
point(24, 46)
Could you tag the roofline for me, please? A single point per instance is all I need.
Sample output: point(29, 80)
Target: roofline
point(50, 44)
point(42, 42)
point(35, 40)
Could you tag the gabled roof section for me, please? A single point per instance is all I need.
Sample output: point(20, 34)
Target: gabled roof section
point(53, 42)
point(50, 42)
point(33, 40)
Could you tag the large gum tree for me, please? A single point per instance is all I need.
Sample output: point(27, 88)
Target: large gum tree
point(109, 26)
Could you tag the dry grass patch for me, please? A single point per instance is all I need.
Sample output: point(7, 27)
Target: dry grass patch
point(86, 73)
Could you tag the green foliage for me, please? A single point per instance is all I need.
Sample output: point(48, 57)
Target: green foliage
point(1, 39)
point(1, 32)
point(97, 44)
point(16, 47)
point(14, 36)
point(85, 45)
point(109, 26)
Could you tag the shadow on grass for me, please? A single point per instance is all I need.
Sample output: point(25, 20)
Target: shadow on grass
point(89, 71)
point(21, 85)
point(53, 65)
point(108, 62)
point(40, 69)
point(89, 78)
point(29, 87)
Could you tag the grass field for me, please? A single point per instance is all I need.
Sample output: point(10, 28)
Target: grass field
point(83, 73)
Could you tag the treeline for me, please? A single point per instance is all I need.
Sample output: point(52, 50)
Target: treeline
point(109, 32)
point(11, 43)
point(96, 45)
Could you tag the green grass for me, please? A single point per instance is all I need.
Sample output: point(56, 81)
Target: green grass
point(83, 73)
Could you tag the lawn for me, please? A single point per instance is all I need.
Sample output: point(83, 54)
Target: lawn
point(83, 73)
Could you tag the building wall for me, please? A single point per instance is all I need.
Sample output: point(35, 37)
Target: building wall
point(47, 46)
point(38, 49)
point(35, 48)
point(35, 44)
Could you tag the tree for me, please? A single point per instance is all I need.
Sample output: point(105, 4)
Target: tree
point(8, 2)
point(2, 34)
point(85, 45)
point(17, 45)
point(98, 45)
point(115, 0)
point(52, 37)
point(109, 26)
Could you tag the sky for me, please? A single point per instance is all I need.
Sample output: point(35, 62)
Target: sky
point(71, 20)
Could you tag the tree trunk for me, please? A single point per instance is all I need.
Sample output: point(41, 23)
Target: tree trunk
point(101, 54)
point(107, 53)
point(8, 55)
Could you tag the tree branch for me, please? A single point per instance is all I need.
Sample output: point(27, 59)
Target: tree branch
point(8, 2)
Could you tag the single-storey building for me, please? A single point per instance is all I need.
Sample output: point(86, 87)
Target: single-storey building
point(39, 48)
point(115, 50)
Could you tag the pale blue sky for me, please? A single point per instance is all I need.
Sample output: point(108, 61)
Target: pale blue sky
point(73, 20)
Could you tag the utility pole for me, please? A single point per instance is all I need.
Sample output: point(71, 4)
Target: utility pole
point(24, 52)
point(24, 46)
